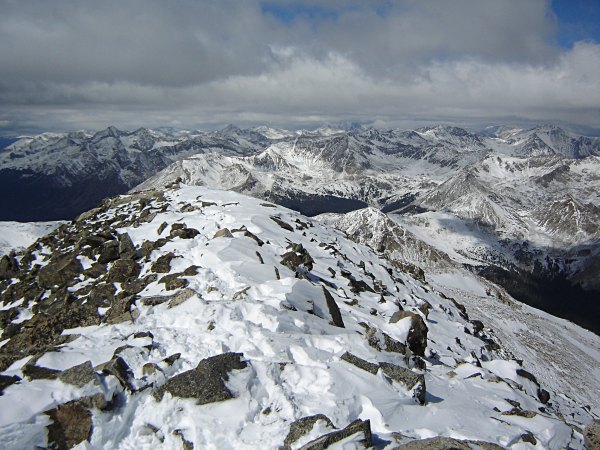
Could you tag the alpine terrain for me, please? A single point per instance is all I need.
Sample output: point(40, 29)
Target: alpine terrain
point(433, 288)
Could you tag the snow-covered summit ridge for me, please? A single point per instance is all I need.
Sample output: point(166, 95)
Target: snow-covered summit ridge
point(113, 318)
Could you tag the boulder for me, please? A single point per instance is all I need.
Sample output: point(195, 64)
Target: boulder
point(79, 375)
point(360, 363)
point(223, 232)
point(123, 270)
point(71, 424)
point(6, 380)
point(297, 256)
point(417, 334)
point(301, 427)
point(334, 310)
point(358, 426)
point(126, 248)
point(163, 263)
point(60, 271)
point(413, 381)
point(109, 252)
point(205, 383)
point(9, 267)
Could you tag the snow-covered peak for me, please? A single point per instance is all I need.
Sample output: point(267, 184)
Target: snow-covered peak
point(195, 317)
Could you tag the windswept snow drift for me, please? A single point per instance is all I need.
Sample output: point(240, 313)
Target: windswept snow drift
point(214, 319)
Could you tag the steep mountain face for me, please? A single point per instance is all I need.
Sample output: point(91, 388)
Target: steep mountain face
point(518, 206)
point(195, 318)
point(57, 176)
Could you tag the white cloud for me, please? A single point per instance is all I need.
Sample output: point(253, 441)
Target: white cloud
point(70, 64)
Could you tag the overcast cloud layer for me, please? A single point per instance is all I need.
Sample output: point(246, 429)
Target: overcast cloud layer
point(189, 63)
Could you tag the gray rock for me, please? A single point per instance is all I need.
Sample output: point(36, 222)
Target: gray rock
point(126, 248)
point(205, 383)
point(408, 378)
point(437, 443)
point(60, 271)
point(8, 267)
point(34, 372)
point(109, 252)
point(79, 375)
point(223, 232)
point(6, 380)
point(301, 427)
point(360, 363)
point(358, 426)
point(119, 369)
point(123, 270)
point(334, 310)
point(163, 263)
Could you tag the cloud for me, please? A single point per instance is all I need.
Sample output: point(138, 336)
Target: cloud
point(83, 64)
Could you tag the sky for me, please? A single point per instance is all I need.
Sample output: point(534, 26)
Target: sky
point(201, 64)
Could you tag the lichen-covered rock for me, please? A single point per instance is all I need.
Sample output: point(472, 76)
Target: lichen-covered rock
point(123, 270)
point(163, 263)
point(8, 267)
point(205, 383)
point(60, 271)
point(303, 426)
point(79, 375)
point(358, 426)
point(413, 381)
point(360, 363)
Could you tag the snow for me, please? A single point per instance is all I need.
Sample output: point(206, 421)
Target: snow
point(294, 356)
point(18, 235)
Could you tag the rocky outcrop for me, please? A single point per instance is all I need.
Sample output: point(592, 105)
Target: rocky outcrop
point(417, 335)
point(205, 383)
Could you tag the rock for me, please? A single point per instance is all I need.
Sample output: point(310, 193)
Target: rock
point(184, 233)
point(389, 344)
point(543, 395)
point(96, 270)
point(297, 256)
point(9, 267)
point(282, 224)
point(477, 325)
point(527, 375)
point(102, 294)
point(120, 311)
point(123, 270)
point(163, 263)
point(119, 369)
point(126, 248)
point(259, 241)
point(149, 369)
point(223, 232)
point(334, 310)
point(173, 282)
point(79, 375)
point(408, 378)
point(360, 363)
point(437, 443)
point(6, 380)
point(109, 252)
point(529, 438)
point(301, 427)
point(161, 228)
point(417, 335)
point(205, 383)
point(175, 299)
point(60, 271)
point(591, 435)
point(327, 440)
point(72, 424)
point(34, 372)
point(170, 360)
